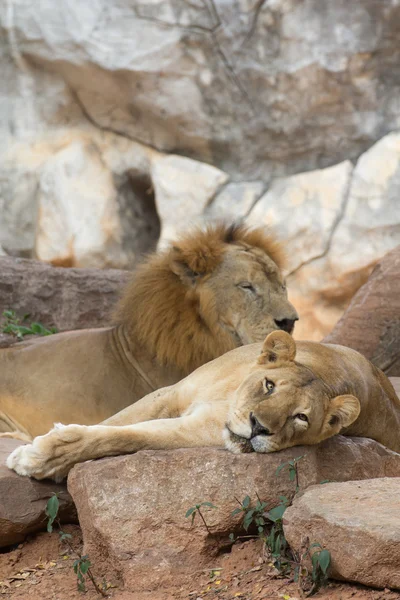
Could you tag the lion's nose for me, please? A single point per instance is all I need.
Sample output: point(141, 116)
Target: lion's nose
point(286, 324)
point(257, 428)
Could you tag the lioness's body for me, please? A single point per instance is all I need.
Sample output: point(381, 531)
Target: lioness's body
point(334, 387)
point(213, 291)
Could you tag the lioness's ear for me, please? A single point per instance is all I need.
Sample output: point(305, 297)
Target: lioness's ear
point(342, 412)
point(279, 347)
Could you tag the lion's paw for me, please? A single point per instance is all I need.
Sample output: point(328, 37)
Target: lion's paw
point(49, 456)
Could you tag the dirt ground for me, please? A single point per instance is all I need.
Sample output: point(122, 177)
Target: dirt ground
point(42, 569)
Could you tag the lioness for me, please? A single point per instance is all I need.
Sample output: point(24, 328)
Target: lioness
point(212, 291)
point(290, 394)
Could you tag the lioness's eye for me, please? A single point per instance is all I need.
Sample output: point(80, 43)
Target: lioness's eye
point(245, 285)
point(269, 386)
point(302, 417)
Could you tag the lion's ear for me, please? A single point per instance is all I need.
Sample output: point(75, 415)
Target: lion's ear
point(342, 412)
point(279, 347)
point(182, 267)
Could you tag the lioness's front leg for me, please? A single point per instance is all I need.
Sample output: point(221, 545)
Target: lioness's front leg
point(54, 454)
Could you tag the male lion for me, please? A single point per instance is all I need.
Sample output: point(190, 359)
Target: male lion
point(290, 394)
point(213, 291)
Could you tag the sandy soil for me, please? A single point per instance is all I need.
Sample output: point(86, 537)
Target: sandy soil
point(41, 569)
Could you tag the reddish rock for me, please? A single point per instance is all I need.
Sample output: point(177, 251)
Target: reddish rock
point(358, 522)
point(132, 508)
point(371, 324)
point(23, 501)
point(55, 296)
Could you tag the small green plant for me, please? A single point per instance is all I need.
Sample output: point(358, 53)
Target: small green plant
point(292, 467)
point(14, 325)
point(320, 560)
point(196, 510)
point(81, 564)
point(269, 523)
point(251, 514)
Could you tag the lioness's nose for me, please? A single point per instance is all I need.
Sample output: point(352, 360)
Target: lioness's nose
point(256, 427)
point(286, 324)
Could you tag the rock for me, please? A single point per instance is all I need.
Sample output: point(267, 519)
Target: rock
point(194, 109)
point(78, 222)
point(371, 324)
point(23, 501)
point(360, 224)
point(53, 296)
point(317, 200)
point(82, 204)
point(235, 201)
point(132, 508)
point(183, 188)
point(395, 381)
point(358, 522)
point(220, 84)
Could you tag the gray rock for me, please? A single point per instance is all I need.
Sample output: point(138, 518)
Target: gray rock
point(54, 296)
point(23, 501)
point(358, 522)
point(222, 83)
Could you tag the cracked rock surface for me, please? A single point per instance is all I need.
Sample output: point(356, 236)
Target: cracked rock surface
point(122, 123)
point(358, 522)
point(135, 520)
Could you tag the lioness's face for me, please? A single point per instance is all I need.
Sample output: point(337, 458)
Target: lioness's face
point(282, 403)
point(250, 295)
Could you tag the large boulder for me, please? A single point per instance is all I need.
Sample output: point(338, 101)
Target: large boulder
point(132, 508)
point(23, 501)
point(358, 522)
point(221, 84)
point(371, 324)
point(336, 224)
point(121, 125)
point(55, 296)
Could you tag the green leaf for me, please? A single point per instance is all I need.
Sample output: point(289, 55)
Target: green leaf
point(52, 507)
point(299, 458)
point(232, 537)
point(85, 566)
point(276, 513)
point(236, 512)
point(260, 529)
point(324, 560)
point(65, 536)
point(316, 545)
point(282, 466)
point(208, 504)
point(246, 502)
point(51, 511)
point(325, 481)
point(283, 499)
point(190, 511)
point(37, 328)
point(292, 473)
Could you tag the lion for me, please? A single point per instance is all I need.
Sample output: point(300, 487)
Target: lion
point(212, 291)
point(256, 398)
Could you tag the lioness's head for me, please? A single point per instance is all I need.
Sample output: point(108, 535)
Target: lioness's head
point(211, 291)
point(283, 403)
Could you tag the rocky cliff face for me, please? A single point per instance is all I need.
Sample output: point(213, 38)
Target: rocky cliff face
point(123, 122)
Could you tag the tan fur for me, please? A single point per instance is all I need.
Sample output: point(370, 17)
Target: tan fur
point(259, 398)
point(170, 308)
point(183, 308)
